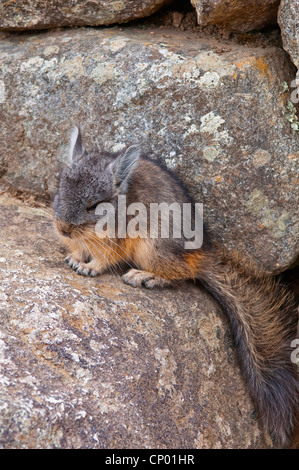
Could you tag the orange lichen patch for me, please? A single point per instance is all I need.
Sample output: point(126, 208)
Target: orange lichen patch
point(293, 156)
point(283, 99)
point(259, 63)
point(263, 68)
point(75, 321)
point(245, 63)
point(45, 355)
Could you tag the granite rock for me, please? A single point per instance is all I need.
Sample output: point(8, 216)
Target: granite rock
point(237, 15)
point(212, 110)
point(93, 363)
point(44, 14)
point(288, 19)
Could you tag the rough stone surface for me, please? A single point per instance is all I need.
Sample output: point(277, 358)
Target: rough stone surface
point(237, 15)
point(31, 14)
point(93, 363)
point(213, 111)
point(288, 19)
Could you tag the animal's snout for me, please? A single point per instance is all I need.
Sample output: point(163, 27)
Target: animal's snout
point(64, 229)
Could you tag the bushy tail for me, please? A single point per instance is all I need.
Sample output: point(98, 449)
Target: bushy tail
point(264, 321)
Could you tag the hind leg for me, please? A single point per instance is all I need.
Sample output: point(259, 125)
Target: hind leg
point(137, 278)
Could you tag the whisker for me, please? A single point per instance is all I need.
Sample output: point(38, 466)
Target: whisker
point(97, 243)
point(101, 244)
point(95, 238)
point(91, 254)
point(84, 249)
point(122, 249)
point(46, 212)
point(110, 265)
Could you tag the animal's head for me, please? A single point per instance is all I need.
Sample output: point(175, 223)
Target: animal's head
point(87, 180)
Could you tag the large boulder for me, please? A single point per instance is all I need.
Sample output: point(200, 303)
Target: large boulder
point(43, 14)
point(213, 111)
point(237, 15)
point(288, 15)
point(93, 363)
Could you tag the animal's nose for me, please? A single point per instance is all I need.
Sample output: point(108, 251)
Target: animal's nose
point(64, 228)
point(65, 232)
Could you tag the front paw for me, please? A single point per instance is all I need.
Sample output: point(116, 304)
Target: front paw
point(72, 262)
point(79, 267)
point(83, 270)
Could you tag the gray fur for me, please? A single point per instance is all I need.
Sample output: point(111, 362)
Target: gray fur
point(85, 182)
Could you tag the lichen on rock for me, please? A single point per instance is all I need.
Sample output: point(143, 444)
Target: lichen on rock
point(207, 108)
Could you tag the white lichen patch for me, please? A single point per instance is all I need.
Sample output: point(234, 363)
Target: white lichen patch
point(192, 129)
point(224, 137)
point(261, 157)
point(50, 50)
point(190, 71)
point(74, 68)
point(40, 66)
point(116, 43)
point(124, 97)
point(160, 72)
point(213, 66)
point(272, 219)
point(3, 297)
point(2, 91)
point(119, 6)
point(173, 160)
point(209, 79)
point(210, 123)
point(210, 153)
point(102, 73)
point(173, 66)
point(276, 222)
point(211, 370)
point(167, 379)
point(211, 62)
point(2, 349)
point(31, 64)
point(84, 375)
point(257, 202)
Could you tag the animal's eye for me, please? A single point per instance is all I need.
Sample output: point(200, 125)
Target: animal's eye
point(92, 207)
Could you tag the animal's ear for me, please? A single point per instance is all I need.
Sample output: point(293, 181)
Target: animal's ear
point(75, 147)
point(124, 166)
